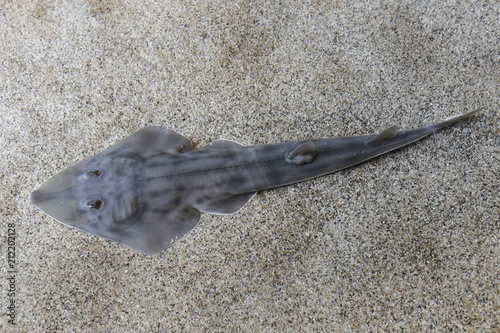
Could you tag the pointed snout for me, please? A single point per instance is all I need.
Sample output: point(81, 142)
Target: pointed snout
point(37, 197)
point(56, 197)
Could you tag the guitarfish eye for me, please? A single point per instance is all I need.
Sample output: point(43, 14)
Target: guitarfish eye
point(94, 204)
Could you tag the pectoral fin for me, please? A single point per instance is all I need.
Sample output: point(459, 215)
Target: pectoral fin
point(156, 230)
point(151, 141)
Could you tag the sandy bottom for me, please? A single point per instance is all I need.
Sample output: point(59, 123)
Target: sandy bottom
point(406, 242)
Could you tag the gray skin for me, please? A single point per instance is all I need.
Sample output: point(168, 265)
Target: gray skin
point(149, 189)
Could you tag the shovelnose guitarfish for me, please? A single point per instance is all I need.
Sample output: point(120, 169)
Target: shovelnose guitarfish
point(149, 189)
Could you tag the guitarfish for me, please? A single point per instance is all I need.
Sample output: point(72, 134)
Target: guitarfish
point(149, 189)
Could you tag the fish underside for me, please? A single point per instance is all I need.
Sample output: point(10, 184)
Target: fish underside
point(149, 189)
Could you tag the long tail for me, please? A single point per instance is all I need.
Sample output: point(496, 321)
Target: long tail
point(319, 157)
point(453, 119)
point(309, 159)
point(391, 138)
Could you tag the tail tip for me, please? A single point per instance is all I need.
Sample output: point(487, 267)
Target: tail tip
point(455, 118)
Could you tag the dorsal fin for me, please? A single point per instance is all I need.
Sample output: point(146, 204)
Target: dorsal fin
point(305, 148)
point(305, 153)
point(384, 135)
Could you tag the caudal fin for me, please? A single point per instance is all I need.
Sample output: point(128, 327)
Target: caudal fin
point(453, 119)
